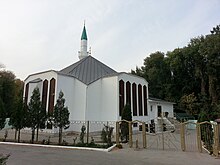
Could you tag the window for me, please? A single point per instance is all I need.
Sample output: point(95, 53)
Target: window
point(135, 124)
point(44, 94)
point(51, 96)
point(128, 93)
point(134, 98)
point(145, 100)
point(140, 100)
point(121, 96)
point(26, 93)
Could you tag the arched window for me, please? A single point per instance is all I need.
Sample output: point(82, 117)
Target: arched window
point(51, 96)
point(44, 94)
point(134, 98)
point(128, 93)
point(26, 93)
point(145, 100)
point(140, 100)
point(121, 96)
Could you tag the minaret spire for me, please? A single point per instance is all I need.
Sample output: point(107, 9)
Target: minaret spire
point(83, 51)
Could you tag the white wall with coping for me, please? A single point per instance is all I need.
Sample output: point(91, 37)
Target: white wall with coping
point(137, 80)
point(48, 75)
point(166, 107)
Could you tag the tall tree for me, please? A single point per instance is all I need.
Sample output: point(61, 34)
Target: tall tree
point(18, 119)
point(7, 90)
point(126, 115)
point(2, 114)
point(36, 114)
point(61, 115)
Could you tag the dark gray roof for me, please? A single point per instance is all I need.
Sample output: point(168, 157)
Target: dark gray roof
point(88, 70)
point(160, 100)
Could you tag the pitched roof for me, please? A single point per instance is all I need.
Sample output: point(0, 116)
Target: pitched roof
point(88, 70)
point(160, 100)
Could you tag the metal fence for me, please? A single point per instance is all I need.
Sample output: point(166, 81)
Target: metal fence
point(71, 136)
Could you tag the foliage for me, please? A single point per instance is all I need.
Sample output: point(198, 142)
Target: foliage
point(2, 114)
point(36, 114)
point(61, 115)
point(82, 134)
point(18, 118)
point(187, 74)
point(126, 115)
point(3, 159)
point(7, 90)
point(106, 135)
point(190, 104)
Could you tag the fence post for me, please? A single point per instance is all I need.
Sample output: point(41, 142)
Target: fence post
point(144, 134)
point(216, 140)
point(198, 132)
point(130, 134)
point(87, 135)
point(117, 132)
point(182, 136)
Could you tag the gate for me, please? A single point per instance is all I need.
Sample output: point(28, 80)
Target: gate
point(150, 136)
point(126, 133)
point(200, 137)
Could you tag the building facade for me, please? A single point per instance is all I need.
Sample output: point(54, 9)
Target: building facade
point(94, 91)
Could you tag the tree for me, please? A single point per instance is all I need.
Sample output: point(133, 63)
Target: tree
point(2, 114)
point(18, 119)
point(61, 115)
point(126, 115)
point(7, 90)
point(36, 114)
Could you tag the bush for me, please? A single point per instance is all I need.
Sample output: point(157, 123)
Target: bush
point(3, 159)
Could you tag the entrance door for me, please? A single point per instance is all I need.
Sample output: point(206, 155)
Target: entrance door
point(159, 111)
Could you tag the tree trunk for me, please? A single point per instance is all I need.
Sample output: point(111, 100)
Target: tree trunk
point(33, 132)
point(60, 135)
point(19, 133)
point(212, 89)
point(203, 92)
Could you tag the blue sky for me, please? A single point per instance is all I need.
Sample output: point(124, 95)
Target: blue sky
point(38, 35)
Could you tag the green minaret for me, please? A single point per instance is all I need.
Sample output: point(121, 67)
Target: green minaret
point(84, 36)
point(83, 50)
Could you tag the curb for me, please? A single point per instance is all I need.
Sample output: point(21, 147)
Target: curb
point(62, 147)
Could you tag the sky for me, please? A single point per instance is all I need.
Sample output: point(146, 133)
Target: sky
point(40, 35)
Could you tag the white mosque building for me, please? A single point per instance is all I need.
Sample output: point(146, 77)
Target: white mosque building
point(94, 91)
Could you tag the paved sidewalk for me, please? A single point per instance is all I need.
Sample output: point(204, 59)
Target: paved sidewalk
point(25, 155)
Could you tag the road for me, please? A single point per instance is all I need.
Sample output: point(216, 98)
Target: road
point(27, 155)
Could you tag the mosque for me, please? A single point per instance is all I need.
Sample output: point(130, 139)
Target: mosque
point(96, 92)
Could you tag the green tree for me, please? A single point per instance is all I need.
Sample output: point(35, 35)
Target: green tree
point(18, 119)
point(61, 115)
point(36, 114)
point(2, 114)
point(126, 115)
point(7, 90)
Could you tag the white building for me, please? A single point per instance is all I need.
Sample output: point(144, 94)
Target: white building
point(94, 91)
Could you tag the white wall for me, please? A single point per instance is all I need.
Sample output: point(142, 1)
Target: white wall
point(94, 99)
point(48, 75)
point(109, 104)
point(137, 80)
point(102, 100)
point(166, 107)
point(74, 94)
